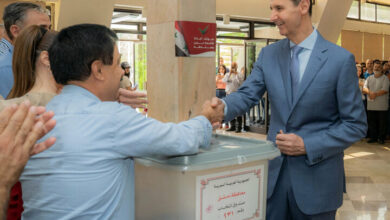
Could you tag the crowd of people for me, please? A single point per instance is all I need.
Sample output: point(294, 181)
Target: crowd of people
point(374, 76)
point(227, 82)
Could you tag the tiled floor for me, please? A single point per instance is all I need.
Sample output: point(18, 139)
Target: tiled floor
point(367, 168)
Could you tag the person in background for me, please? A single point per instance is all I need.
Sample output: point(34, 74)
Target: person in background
point(125, 81)
point(19, 131)
point(369, 68)
point(359, 70)
point(126, 67)
point(97, 137)
point(368, 71)
point(127, 93)
point(233, 81)
point(377, 89)
point(2, 33)
point(221, 62)
point(386, 68)
point(364, 68)
point(220, 84)
point(221, 87)
point(16, 17)
point(33, 78)
point(316, 113)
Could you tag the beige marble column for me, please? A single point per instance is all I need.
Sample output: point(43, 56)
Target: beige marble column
point(73, 12)
point(177, 86)
point(332, 18)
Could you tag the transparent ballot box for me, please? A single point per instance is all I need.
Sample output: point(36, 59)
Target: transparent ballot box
point(227, 181)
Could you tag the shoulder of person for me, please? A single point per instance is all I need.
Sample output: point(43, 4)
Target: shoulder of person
point(275, 47)
point(332, 47)
point(5, 62)
point(40, 98)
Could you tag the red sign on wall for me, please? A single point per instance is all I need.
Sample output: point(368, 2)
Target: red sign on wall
point(197, 39)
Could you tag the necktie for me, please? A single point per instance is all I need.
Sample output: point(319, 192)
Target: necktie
point(294, 70)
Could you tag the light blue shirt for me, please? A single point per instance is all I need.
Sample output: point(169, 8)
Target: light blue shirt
point(5, 47)
point(6, 75)
point(89, 172)
point(304, 56)
point(367, 74)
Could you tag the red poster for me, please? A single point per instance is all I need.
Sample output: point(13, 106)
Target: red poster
point(195, 39)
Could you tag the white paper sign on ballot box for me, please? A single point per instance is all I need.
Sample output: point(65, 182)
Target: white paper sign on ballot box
point(233, 195)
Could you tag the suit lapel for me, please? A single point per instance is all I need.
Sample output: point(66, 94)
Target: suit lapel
point(284, 64)
point(316, 63)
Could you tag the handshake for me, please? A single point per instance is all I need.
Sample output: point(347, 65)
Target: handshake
point(214, 111)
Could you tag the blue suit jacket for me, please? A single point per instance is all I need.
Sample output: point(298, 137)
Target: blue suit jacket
point(328, 114)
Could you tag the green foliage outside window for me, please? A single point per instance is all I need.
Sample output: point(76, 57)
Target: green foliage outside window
point(140, 65)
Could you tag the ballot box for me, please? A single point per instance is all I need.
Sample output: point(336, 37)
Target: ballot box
point(227, 181)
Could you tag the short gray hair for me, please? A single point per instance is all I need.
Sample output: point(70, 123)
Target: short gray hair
point(15, 13)
point(296, 2)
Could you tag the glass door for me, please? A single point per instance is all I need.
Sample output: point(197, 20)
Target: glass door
point(231, 52)
point(257, 119)
point(132, 47)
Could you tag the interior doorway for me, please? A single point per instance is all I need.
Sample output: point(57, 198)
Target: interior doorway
point(231, 52)
point(259, 115)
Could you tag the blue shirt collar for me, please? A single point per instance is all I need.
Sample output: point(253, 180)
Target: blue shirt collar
point(8, 44)
point(309, 42)
point(79, 90)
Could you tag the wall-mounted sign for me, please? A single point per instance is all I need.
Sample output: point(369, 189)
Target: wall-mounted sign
point(195, 39)
point(236, 194)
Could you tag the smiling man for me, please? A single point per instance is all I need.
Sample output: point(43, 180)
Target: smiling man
point(316, 109)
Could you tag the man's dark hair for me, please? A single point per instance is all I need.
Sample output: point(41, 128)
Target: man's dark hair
point(296, 2)
point(77, 47)
point(15, 13)
point(377, 61)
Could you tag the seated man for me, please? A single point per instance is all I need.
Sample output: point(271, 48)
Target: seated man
point(89, 172)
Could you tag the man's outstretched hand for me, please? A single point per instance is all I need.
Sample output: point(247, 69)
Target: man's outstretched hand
point(214, 111)
point(134, 99)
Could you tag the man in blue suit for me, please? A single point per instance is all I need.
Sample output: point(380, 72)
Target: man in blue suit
point(317, 112)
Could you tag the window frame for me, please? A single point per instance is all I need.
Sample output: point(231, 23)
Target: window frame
point(376, 12)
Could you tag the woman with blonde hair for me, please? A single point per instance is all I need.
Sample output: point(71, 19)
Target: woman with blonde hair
point(33, 81)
